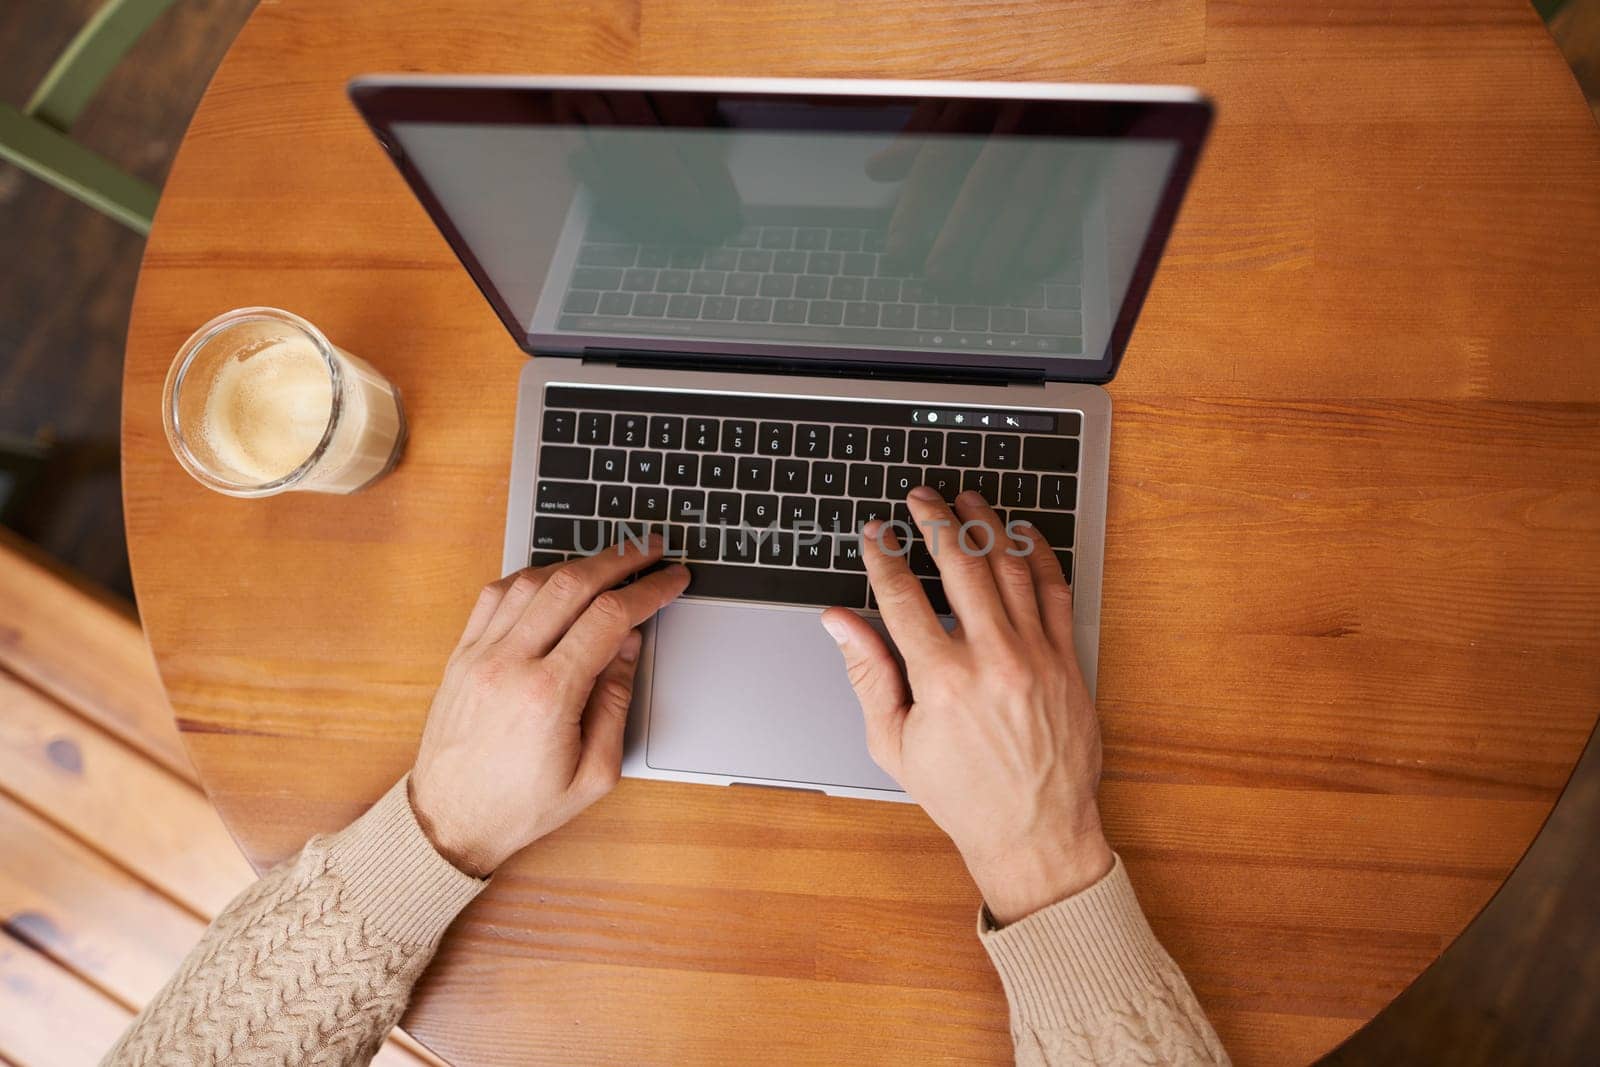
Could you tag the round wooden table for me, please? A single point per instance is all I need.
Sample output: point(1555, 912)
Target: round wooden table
point(1352, 593)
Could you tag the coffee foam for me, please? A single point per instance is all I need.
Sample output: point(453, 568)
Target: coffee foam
point(268, 408)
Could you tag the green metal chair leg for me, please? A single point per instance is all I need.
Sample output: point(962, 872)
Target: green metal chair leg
point(64, 163)
point(36, 140)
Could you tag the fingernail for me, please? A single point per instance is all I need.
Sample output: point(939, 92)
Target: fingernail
point(836, 630)
point(631, 646)
point(924, 492)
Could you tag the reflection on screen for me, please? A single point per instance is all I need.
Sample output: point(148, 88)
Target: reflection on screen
point(915, 239)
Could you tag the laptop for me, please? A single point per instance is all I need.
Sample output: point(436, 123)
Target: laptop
point(762, 311)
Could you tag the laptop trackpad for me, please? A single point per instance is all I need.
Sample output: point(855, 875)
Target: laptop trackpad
point(755, 693)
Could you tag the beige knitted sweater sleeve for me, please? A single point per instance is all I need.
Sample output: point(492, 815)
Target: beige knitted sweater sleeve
point(315, 963)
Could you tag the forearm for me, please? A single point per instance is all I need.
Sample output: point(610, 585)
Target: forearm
point(314, 963)
point(1088, 983)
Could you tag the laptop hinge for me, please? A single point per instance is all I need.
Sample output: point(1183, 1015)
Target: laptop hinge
point(854, 368)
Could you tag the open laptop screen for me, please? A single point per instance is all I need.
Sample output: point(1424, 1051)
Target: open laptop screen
point(892, 228)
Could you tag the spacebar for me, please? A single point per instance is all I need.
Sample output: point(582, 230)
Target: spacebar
point(776, 585)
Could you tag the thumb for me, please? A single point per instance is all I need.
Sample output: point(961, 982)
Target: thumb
point(605, 720)
point(876, 677)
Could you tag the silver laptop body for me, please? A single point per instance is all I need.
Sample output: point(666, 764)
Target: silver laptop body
point(694, 256)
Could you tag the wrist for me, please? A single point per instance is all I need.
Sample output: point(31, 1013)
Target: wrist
point(459, 848)
point(1030, 875)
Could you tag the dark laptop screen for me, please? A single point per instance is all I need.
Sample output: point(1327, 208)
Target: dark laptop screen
point(962, 230)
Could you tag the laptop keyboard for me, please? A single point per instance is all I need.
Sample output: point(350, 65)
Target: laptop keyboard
point(790, 282)
point(765, 496)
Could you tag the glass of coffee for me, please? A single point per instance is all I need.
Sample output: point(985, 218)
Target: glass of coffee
point(259, 402)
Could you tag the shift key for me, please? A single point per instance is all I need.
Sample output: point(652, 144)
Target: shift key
point(565, 498)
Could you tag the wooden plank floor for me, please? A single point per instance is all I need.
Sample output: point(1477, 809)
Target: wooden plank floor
point(111, 859)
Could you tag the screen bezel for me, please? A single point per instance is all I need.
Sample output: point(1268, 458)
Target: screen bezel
point(1137, 112)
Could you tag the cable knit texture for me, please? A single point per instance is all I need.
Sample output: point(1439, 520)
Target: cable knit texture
point(1088, 983)
point(314, 963)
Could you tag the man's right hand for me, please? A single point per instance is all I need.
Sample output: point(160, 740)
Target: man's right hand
point(989, 727)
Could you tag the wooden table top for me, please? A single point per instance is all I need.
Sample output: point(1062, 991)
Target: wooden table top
point(1352, 576)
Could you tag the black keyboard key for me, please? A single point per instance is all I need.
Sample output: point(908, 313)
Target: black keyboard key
point(1058, 492)
point(650, 305)
point(828, 479)
point(564, 498)
point(866, 481)
point(844, 240)
point(775, 438)
point(581, 302)
point(1055, 322)
point(1002, 451)
point(738, 547)
point(687, 257)
point(789, 262)
point(888, 446)
point(585, 536)
point(925, 447)
point(688, 505)
point(985, 483)
point(639, 281)
point(812, 442)
point(719, 308)
point(963, 449)
point(836, 515)
point(796, 511)
point(944, 481)
point(823, 263)
point(739, 436)
point(776, 586)
point(776, 547)
point(1008, 320)
point(777, 286)
point(666, 432)
point(616, 303)
point(631, 431)
point(789, 476)
point(811, 286)
point(702, 435)
point(650, 502)
point(1019, 490)
point(935, 590)
point(1064, 558)
point(867, 510)
point(717, 472)
point(847, 554)
point(672, 281)
point(755, 474)
point(760, 510)
point(859, 314)
point(610, 465)
point(901, 480)
point(655, 256)
point(811, 237)
point(560, 427)
point(722, 508)
point(721, 259)
point(561, 461)
point(546, 559)
point(921, 560)
point(933, 317)
point(849, 442)
point(777, 237)
point(792, 311)
point(742, 285)
point(644, 468)
point(594, 428)
point(682, 468)
point(814, 551)
point(1056, 526)
point(707, 282)
point(1050, 454)
point(755, 261)
point(847, 289)
point(826, 313)
point(702, 544)
point(897, 316)
point(755, 309)
point(860, 263)
point(616, 501)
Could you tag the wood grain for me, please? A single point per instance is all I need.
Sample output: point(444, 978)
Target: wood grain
point(1352, 569)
